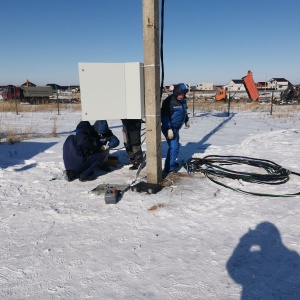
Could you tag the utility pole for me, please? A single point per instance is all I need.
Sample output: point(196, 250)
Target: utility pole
point(152, 89)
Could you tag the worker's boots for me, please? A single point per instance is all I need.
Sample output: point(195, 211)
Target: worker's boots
point(87, 177)
point(70, 175)
point(137, 157)
point(135, 165)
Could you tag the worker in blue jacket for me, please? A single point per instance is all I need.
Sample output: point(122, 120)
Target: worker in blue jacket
point(84, 151)
point(105, 134)
point(173, 116)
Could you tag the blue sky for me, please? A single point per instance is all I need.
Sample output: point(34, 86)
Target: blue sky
point(204, 41)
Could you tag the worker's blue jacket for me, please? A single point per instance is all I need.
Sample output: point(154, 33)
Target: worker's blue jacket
point(77, 148)
point(173, 111)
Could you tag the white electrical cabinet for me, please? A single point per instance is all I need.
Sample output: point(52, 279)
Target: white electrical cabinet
point(112, 91)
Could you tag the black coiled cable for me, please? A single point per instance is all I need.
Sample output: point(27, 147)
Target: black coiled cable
point(213, 166)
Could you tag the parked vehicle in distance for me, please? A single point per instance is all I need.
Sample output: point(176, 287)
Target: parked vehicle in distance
point(30, 94)
point(11, 92)
point(221, 94)
point(249, 86)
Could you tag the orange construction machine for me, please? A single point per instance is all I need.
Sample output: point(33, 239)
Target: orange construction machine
point(221, 94)
point(249, 85)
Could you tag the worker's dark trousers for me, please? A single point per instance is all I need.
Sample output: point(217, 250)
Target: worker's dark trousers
point(95, 160)
point(132, 139)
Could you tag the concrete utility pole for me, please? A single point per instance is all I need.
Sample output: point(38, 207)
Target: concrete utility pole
point(152, 89)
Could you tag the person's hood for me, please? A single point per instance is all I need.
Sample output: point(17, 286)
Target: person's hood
point(180, 88)
point(84, 126)
point(101, 126)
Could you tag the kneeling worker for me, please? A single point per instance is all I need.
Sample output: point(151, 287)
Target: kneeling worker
point(85, 151)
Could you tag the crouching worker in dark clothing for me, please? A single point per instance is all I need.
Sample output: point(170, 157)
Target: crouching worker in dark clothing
point(173, 116)
point(83, 152)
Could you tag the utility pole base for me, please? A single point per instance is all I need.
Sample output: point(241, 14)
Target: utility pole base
point(150, 188)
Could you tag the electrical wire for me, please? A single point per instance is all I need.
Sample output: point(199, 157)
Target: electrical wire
point(161, 47)
point(213, 166)
point(140, 145)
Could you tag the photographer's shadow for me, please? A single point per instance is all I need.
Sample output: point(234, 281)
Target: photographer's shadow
point(264, 267)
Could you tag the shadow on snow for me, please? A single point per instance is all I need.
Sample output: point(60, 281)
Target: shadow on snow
point(199, 147)
point(264, 267)
point(18, 153)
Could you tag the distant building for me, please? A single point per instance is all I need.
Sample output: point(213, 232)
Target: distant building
point(205, 86)
point(261, 85)
point(235, 85)
point(28, 83)
point(170, 88)
point(54, 86)
point(279, 84)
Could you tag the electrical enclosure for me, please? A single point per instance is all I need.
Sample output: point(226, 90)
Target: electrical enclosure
point(112, 91)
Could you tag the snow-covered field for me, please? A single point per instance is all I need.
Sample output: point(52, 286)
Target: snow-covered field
point(189, 241)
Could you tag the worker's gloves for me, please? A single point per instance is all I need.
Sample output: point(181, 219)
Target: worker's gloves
point(187, 124)
point(170, 134)
point(104, 147)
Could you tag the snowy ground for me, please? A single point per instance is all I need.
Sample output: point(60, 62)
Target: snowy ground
point(60, 241)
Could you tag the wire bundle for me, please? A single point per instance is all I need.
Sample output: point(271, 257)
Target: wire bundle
point(213, 166)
